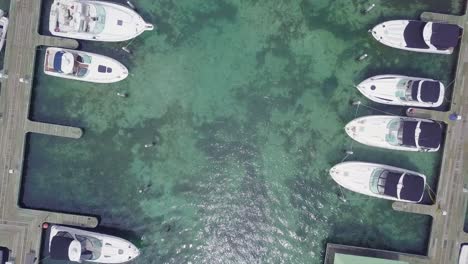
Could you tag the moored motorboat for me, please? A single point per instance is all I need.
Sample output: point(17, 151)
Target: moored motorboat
point(76, 245)
point(382, 181)
point(413, 35)
point(95, 20)
point(83, 66)
point(396, 132)
point(403, 90)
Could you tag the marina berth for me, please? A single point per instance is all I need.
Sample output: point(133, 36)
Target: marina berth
point(403, 90)
point(396, 132)
point(95, 20)
point(76, 245)
point(381, 181)
point(83, 66)
point(419, 36)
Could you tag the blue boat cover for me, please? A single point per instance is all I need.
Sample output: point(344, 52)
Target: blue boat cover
point(59, 247)
point(412, 186)
point(430, 91)
point(431, 135)
point(58, 61)
point(413, 35)
point(409, 132)
point(445, 36)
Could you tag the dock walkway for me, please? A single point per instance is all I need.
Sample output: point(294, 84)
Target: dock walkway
point(20, 229)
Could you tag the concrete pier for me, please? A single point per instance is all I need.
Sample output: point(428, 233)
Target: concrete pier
point(53, 130)
point(20, 229)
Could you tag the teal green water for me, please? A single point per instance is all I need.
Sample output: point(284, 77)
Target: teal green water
point(246, 102)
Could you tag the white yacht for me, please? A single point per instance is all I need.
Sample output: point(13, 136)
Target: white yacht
point(463, 259)
point(403, 90)
point(83, 66)
point(396, 132)
point(95, 20)
point(381, 181)
point(418, 36)
point(3, 29)
point(76, 245)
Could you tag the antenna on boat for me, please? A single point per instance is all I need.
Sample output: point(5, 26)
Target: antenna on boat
point(367, 10)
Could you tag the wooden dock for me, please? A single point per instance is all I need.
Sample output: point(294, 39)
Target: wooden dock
point(20, 229)
point(448, 211)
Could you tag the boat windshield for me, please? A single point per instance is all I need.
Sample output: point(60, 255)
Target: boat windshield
point(394, 132)
point(90, 247)
point(377, 181)
point(402, 90)
point(384, 182)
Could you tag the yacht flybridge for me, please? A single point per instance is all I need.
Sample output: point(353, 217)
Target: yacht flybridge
point(380, 181)
point(95, 20)
point(83, 66)
point(403, 90)
point(396, 132)
point(418, 36)
point(76, 245)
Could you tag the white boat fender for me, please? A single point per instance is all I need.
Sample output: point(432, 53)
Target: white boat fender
point(149, 26)
point(130, 4)
point(363, 57)
point(369, 8)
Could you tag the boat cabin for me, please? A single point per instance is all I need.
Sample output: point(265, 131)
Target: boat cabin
point(403, 186)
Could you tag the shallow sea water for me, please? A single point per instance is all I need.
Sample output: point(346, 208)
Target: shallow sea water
point(246, 102)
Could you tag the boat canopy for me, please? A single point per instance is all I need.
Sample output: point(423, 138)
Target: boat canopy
point(4, 254)
point(429, 92)
point(413, 35)
point(445, 36)
point(64, 62)
point(65, 248)
point(430, 135)
point(412, 186)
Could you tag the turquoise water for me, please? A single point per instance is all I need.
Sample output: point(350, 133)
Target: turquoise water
point(246, 103)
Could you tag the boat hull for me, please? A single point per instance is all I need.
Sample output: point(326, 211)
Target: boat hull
point(383, 89)
point(119, 71)
point(391, 33)
point(355, 176)
point(372, 131)
point(111, 245)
